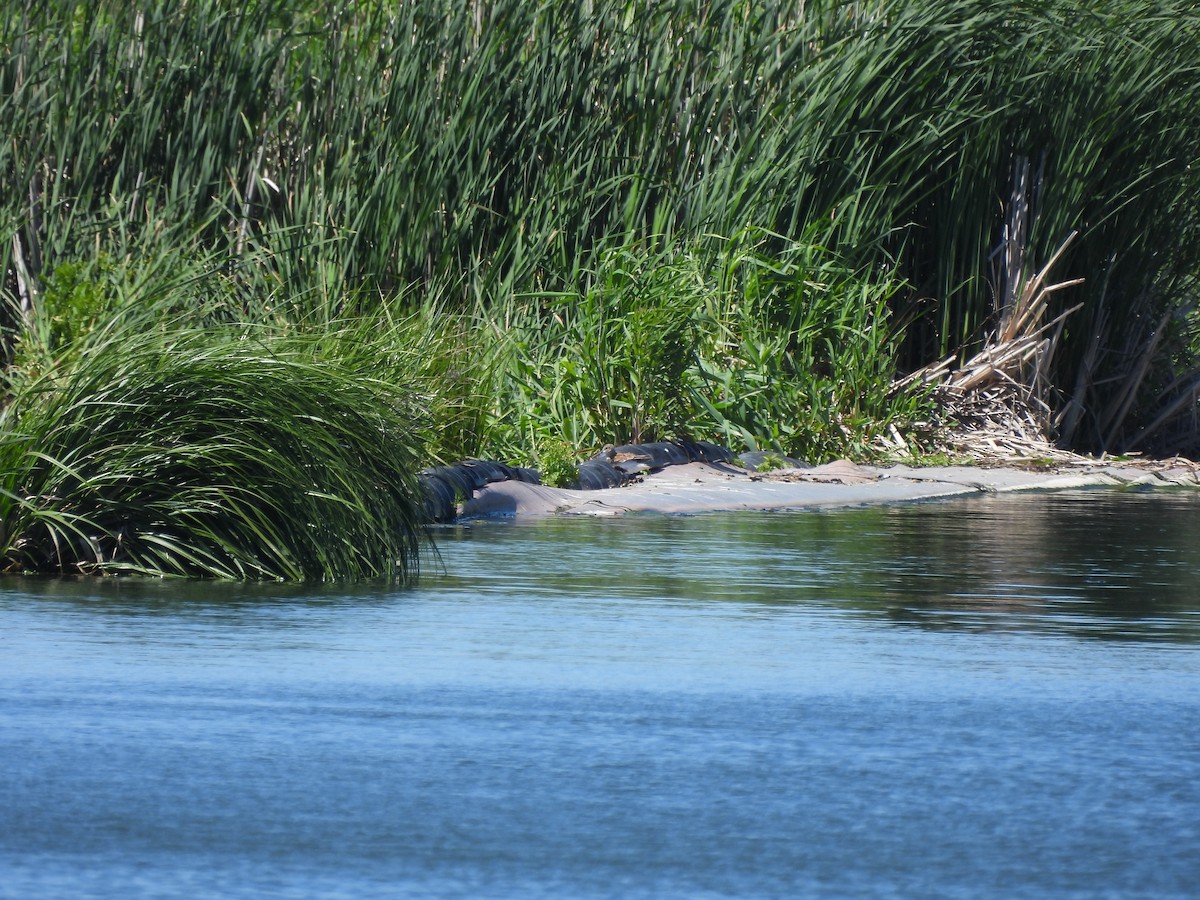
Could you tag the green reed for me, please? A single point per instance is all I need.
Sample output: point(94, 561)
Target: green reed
point(192, 453)
point(475, 160)
point(792, 349)
point(165, 433)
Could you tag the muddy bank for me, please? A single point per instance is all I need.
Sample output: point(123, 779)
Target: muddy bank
point(714, 486)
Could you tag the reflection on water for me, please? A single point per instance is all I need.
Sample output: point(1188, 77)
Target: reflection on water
point(981, 698)
point(1087, 563)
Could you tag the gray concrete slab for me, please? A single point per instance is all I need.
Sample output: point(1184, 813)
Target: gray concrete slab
point(704, 487)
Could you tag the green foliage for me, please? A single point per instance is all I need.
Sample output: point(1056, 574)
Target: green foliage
point(800, 353)
point(197, 453)
point(543, 181)
point(716, 340)
point(770, 463)
point(607, 364)
point(74, 302)
point(76, 299)
point(557, 464)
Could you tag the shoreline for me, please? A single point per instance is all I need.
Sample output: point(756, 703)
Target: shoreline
point(719, 487)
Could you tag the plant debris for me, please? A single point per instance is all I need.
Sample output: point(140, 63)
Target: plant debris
point(996, 407)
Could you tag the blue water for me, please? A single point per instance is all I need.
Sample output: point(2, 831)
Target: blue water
point(980, 698)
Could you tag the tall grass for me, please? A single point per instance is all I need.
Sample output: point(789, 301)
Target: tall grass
point(792, 350)
point(468, 157)
point(148, 427)
point(180, 454)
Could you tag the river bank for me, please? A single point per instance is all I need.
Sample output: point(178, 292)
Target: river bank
point(710, 487)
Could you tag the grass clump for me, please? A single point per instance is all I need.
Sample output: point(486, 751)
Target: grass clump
point(166, 415)
point(189, 453)
point(734, 340)
point(557, 464)
point(604, 364)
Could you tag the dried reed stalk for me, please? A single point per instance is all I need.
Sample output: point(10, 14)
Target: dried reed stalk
point(996, 401)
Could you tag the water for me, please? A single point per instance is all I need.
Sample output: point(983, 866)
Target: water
point(980, 698)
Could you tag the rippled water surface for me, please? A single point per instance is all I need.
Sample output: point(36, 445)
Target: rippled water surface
point(981, 698)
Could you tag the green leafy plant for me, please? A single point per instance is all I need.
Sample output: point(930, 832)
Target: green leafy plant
point(800, 352)
point(609, 363)
point(770, 463)
point(557, 464)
